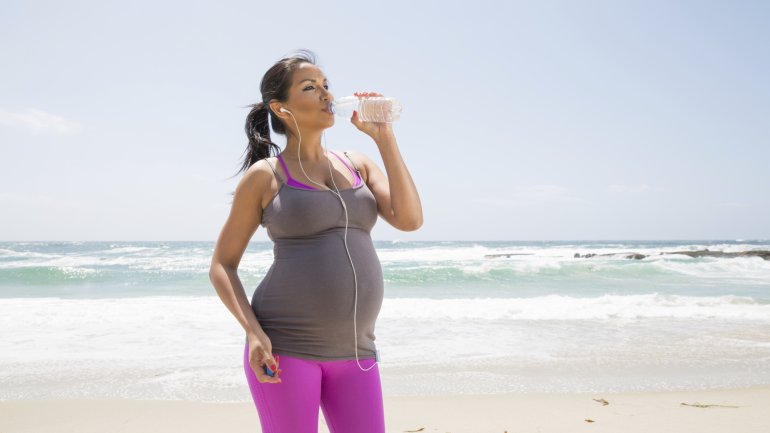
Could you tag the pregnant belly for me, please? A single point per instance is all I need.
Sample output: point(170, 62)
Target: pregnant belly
point(311, 286)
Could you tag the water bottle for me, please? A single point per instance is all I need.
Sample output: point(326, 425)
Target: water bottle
point(370, 108)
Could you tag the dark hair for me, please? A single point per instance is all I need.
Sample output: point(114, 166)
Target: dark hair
point(275, 85)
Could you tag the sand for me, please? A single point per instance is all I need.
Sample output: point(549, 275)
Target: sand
point(740, 410)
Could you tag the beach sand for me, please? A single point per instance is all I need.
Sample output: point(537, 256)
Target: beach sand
point(563, 413)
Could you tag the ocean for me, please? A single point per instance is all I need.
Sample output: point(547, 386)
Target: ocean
point(141, 319)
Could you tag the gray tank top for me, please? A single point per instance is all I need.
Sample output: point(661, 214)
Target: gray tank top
point(305, 301)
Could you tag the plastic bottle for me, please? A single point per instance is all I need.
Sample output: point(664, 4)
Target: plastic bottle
point(370, 108)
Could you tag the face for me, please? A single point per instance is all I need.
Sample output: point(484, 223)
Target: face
point(309, 99)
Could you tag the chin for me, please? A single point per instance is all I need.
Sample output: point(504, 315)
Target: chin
point(327, 125)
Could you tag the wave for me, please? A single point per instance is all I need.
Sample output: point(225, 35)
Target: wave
point(409, 264)
point(560, 307)
point(475, 310)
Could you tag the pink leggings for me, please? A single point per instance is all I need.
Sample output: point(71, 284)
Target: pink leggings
point(351, 399)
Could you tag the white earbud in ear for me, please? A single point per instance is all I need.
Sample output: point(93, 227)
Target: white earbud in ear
point(284, 110)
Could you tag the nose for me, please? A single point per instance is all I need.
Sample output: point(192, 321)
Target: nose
point(326, 95)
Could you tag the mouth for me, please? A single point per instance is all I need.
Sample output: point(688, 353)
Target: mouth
point(326, 109)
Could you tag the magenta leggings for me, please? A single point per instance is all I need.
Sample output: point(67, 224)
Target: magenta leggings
point(351, 399)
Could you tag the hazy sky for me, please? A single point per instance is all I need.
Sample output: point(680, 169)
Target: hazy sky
point(522, 120)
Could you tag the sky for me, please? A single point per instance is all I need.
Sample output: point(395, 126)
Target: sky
point(541, 120)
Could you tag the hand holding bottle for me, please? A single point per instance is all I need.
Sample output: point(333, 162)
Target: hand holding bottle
point(376, 130)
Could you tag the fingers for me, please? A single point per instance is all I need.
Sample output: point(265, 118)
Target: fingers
point(267, 379)
point(270, 363)
point(263, 377)
point(365, 94)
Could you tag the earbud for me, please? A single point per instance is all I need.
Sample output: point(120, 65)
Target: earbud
point(285, 110)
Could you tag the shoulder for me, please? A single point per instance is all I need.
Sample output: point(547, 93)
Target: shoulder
point(359, 158)
point(259, 171)
point(256, 179)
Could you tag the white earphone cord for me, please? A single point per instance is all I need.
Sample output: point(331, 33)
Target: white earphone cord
point(337, 193)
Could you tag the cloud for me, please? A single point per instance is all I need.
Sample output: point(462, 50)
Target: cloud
point(37, 121)
point(627, 188)
point(532, 195)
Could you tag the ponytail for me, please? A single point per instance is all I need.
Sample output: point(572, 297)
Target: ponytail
point(258, 133)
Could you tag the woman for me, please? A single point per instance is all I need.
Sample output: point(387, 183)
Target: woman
point(301, 315)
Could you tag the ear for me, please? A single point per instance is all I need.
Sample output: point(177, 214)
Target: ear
point(275, 108)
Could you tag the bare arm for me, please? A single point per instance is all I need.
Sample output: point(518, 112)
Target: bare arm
point(398, 202)
point(244, 219)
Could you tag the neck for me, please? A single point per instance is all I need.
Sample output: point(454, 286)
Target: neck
point(309, 150)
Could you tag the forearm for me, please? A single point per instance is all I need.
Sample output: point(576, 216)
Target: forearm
point(230, 290)
point(404, 199)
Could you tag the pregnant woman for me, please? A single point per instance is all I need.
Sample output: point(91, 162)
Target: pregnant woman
point(310, 322)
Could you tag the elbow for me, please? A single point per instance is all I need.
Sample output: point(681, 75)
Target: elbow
point(212, 272)
point(413, 225)
point(215, 270)
point(213, 265)
point(404, 223)
point(217, 266)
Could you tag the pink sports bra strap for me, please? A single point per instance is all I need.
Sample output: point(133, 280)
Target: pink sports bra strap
point(352, 162)
point(292, 181)
point(285, 169)
point(354, 173)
